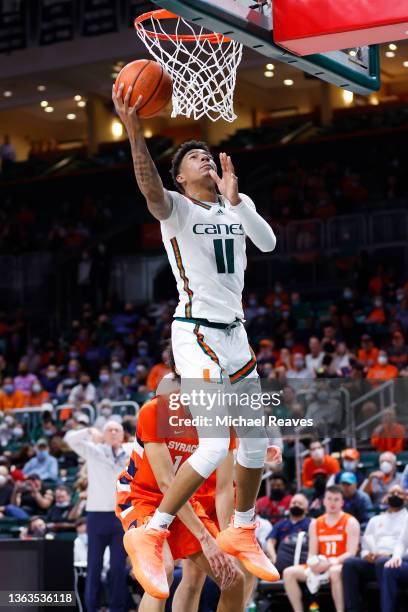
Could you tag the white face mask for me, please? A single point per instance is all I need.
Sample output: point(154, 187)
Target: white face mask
point(349, 466)
point(3, 480)
point(386, 467)
point(382, 360)
point(317, 453)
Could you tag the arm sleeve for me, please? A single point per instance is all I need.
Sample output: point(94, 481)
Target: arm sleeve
point(255, 227)
point(179, 214)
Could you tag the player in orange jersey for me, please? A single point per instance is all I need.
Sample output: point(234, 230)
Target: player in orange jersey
point(333, 537)
point(140, 488)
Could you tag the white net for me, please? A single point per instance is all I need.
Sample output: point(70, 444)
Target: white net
point(203, 66)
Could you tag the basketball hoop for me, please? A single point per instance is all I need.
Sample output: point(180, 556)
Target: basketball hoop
point(203, 65)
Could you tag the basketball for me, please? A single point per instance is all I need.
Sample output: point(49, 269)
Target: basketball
point(149, 80)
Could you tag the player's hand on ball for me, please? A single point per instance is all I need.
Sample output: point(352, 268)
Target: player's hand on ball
point(127, 114)
point(228, 184)
point(221, 564)
point(273, 455)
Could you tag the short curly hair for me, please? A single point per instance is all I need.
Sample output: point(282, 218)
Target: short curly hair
point(179, 155)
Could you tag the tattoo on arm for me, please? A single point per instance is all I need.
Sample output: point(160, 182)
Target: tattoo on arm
point(149, 181)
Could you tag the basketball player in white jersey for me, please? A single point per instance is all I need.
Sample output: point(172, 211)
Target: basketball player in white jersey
point(204, 227)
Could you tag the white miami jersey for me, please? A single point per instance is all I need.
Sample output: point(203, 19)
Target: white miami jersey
point(205, 244)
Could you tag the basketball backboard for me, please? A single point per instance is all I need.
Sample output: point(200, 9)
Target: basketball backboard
point(250, 22)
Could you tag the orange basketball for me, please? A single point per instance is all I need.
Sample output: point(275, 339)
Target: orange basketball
point(150, 81)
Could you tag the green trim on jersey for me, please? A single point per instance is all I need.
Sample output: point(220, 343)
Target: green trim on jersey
point(199, 203)
point(180, 266)
point(204, 346)
point(245, 370)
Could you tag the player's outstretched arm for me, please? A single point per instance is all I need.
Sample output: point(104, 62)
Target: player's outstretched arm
point(255, 227)
point(147, 177)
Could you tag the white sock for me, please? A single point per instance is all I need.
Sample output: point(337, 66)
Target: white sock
point(244, 518)
point(160, 520)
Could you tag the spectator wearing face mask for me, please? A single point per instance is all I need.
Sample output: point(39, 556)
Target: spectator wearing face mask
point(84, 392)
point(356, 502)
point(10, 397)
point(325, 412)
point(30, 497)
point(107, 387)
point(349, 463)
point(117, 371)
point(379, 482)
point(36, 530)
point(299, 370)
point(381, 538)
point(43, 464)
point(281, 542)
point(50, 380)
point(318, 459)
point(382, 370)
point(25, 379)
point(390, 435)
point(377, 315)
point(140, 358)
point(70, 380)
point(38, 396)
point(59, 516)
point(277, 502)
point(105, 415)
point(158, 371)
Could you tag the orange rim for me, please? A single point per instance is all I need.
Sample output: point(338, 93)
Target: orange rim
point(161, 14)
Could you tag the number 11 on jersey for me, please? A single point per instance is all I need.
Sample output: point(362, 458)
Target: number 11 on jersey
point(224, 264)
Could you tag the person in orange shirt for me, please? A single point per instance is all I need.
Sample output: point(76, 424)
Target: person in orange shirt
point(10, 397)
point(333, 538)
point(390, 435)
point(317, 460)
point(158, 371)
point(382, 370)
point(368, 353)
point(158, 453)
point(377, 314)
point(38, 395)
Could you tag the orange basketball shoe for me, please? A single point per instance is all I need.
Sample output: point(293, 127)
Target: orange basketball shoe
point(242, 543)
point(145, 550)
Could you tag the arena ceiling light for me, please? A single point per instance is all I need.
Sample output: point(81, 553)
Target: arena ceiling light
point(7, 93)
point(268, 74)
point(392, 47)
point(77, 98)
point(389, 54)
point(41, 87)
point(405, 64)
point(81, 103)
point(44, 103)
point(288, 82)
point(49, 109)
point(270, 66)
point(71, 116)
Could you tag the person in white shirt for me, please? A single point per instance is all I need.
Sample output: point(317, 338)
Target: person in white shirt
point(299, 370)
point(396, 568)
point(106, 456)
point(380, 541)
point(341, 359)
point(315, 357)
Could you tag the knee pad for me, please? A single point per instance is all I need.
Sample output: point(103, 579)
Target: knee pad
point(210, 453)
point(252, 452)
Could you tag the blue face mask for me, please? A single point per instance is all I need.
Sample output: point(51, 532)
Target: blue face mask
point(8, 389)
point(42, 455)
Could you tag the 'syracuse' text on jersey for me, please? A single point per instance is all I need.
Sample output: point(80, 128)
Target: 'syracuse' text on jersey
point(205, 244)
